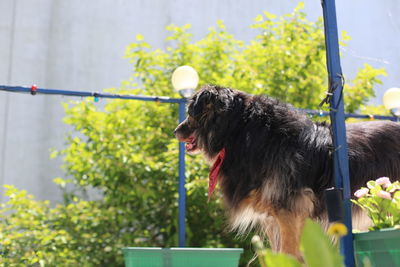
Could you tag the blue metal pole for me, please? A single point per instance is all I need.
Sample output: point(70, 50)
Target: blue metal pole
point(182, 190)
point(341, 166)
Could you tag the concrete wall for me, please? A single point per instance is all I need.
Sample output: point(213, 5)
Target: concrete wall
point(79, 45)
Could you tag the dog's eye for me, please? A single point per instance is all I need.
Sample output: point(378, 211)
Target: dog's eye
point(191, 122)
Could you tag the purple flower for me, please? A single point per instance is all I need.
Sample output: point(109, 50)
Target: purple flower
point(361, 192)
point(384, 181)
point(384, 194)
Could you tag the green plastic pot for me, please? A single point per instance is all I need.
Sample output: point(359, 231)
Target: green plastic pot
point(181, 257)
point(381, 248)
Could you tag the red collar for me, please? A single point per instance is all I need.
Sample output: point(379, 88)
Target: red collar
point(214, 172)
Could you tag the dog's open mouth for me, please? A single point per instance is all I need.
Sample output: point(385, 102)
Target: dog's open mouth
point(191, 144)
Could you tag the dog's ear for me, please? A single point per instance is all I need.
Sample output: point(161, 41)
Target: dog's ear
point(200, 102)
point(211, 100)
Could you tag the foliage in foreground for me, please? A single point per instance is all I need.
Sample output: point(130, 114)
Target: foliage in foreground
point(317, 250)
point(126, 149)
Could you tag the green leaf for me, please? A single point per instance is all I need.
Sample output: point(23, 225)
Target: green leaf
point(317, 248)
point(280, 260)
point(371, 184)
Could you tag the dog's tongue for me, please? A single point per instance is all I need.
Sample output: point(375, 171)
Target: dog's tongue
point(189, 146)
point(213, 178)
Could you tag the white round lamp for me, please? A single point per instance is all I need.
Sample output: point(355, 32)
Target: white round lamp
point(391, 100)
point(184, 80)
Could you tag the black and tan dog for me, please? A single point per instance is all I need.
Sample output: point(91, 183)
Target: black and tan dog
point(273, 163)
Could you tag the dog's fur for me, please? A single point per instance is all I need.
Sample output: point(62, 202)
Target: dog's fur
point(278, 162)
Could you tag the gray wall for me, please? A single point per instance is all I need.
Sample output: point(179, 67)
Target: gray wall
point(79, 45)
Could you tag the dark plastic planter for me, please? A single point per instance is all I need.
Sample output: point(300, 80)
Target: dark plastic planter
point(381, 248)
point(181, 257)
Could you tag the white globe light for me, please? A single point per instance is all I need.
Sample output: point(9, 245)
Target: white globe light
point(184, 80)
point(391, 98)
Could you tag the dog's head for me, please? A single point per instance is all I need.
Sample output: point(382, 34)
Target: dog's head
point(211, 115)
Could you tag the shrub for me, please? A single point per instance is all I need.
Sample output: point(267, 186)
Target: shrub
point(81, 233)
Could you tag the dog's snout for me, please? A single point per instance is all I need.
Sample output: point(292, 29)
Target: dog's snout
point(182, 130)
point(178, 130)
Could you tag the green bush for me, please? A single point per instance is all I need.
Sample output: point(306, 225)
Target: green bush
point(82, 233)
point(126, 149)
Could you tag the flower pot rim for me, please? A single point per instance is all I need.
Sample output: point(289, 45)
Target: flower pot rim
point(387, 233)
point(379, 230)
point(184, 249)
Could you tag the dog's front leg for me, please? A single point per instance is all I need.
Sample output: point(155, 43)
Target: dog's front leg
point(290, 229)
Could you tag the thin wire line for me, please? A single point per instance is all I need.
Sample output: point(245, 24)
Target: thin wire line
point(37, 91)
point(20, 89)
